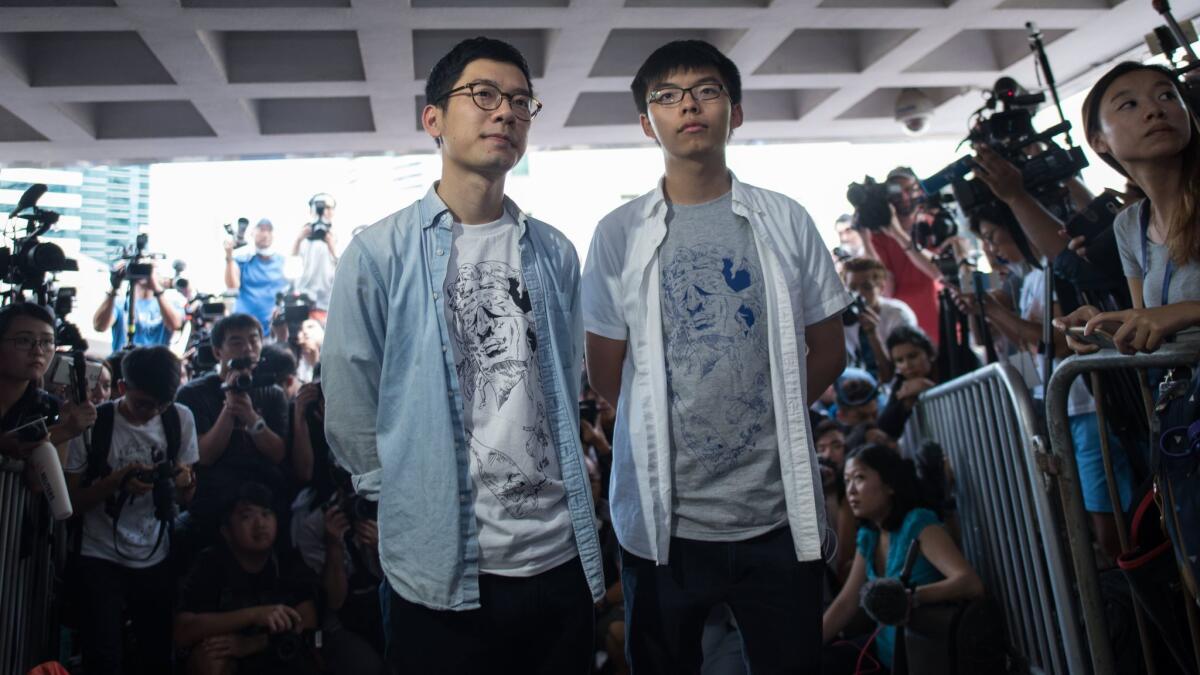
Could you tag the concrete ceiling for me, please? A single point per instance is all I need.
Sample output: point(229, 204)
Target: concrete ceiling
point(143, 80)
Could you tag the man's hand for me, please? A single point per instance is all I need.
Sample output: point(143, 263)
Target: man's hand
point(278, 619)
point(228, 246)
point(868, 320)
point(1080, 317)
point(1076, 244)
point(1004, 179)
point(117, 275)
point(229, 646)
point(336, 526)
point(130, 484)
point(366, 534)
point(308, 394)
point(75, 417)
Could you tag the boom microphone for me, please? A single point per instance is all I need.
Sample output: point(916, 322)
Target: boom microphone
point(31, 197)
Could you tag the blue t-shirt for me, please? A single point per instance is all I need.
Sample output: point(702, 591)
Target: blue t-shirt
point(923, 571)
point(261, 280)
point(150, 328)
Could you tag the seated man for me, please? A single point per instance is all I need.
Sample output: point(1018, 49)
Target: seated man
point(123, 550)
point(242, 608)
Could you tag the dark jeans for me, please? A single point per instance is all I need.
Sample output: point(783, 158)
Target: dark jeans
point(147, 595)
point(775, 599)
point(534, 625)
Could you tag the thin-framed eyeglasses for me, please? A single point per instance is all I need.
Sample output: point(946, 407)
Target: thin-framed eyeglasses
point(673, 96)
point(27, 343)
point(488, 97)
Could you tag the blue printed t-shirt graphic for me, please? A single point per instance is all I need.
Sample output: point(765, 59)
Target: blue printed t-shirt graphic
point(148, 321)
point(261, 280)
point(520, 505)
point(725, 456)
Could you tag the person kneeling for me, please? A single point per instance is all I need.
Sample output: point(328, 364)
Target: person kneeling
point(242, 609)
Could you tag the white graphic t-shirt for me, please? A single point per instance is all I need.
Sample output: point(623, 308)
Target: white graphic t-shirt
point(520, 503)
point(137, 528)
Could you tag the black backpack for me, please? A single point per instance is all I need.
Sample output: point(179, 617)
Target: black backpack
point(102, 431)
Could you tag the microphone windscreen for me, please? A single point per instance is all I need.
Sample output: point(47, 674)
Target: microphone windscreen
point(885, 600)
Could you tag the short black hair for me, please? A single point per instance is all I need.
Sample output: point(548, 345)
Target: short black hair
point(152, 370)
point(29, 309)
point(114, 361)
point(250, 492)
point(239, 321)
point(279, 361)
point(827, 427)
point(1000, 215)
point(684, 55)
point(908, 335)
point(898, 474)
point(451, 66)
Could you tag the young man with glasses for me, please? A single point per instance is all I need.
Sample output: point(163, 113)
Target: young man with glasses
point(712, 311)
point(124, 545)
point(451, 372)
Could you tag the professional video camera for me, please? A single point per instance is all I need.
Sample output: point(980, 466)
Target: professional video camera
point(244, 383)
point(933, 224)
point(138, 263)
point(1005, 124)
point(239, 235)
point(24, 265)
point(203, 310)
point(321, 203)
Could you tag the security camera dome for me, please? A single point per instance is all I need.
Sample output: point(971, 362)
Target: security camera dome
point(914, 109)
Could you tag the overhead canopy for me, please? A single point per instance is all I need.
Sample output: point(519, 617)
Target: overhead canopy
point(151, 80)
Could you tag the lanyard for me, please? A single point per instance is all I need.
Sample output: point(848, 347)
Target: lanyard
point(1144, 217)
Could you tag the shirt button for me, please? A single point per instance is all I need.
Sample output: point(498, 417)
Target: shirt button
point(435, 295)
point(443, 349)
point(441, 251)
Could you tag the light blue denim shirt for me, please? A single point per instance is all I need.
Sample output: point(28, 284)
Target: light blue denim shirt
point(394, 407)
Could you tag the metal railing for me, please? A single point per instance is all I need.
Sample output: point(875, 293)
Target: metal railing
point(26, 572)
point(985, 423)
point(1070, 492)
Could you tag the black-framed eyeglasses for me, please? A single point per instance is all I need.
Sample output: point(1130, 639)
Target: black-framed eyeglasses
point(488, 97)
point(673, 96)
point(27, 343)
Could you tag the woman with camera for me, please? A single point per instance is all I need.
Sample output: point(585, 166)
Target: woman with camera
point(1137, 121)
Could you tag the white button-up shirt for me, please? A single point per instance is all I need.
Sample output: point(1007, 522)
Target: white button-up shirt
point(621, 301)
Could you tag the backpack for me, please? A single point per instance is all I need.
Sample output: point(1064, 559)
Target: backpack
point(102, 431)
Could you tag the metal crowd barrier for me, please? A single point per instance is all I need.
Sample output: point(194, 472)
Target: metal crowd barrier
point(985, 423)
point(1062, 447)
point(26, 573)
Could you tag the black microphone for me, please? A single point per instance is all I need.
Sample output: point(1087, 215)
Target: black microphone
point(31, 197)
point(885, 599)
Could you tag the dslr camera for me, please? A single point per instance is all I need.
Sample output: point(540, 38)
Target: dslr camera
point(239, 235)
point(162, 477)
point(246, 382)
point(321, 204)
point(853, 311)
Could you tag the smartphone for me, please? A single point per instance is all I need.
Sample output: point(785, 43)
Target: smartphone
point(93, 374)
point(31, 431)
point(60, 371)
point(1099, 337)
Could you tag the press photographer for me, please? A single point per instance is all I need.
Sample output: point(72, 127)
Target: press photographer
point(241, 419)
point(257, 277)
point(316, 247)
point(886, 215)
point(126, 487)
point(872, 317)
point(157, 310)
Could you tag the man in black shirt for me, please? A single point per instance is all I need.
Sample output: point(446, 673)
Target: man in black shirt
point(243, 604)
point(241, 432)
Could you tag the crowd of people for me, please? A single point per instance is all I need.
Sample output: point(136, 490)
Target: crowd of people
point(688, 454)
